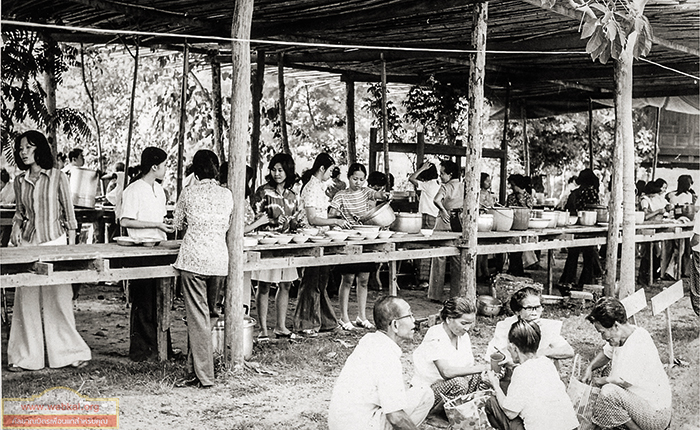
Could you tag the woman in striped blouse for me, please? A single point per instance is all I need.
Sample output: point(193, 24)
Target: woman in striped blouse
point(44, 216)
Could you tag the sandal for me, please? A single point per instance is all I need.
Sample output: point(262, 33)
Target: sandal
point(79, 364)
point(263, 338)
point(363, 323)
point(15, 368)
point(347, 326)
point(290, 336)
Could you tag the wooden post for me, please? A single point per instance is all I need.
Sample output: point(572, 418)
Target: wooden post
point(590, 134)
point(372, 162)
point(131, 116)
point(183, 117)
point(472, 174)
point(614, 212)
point(420, 150)
point(217, 107)
point(624, 137)
point(164, 298)
point(502, 188)
point(283, 104)
point(257, 96)
point(100, 160)
point(50, 85)
point(350, 113)
point(385, 120)
point(655, 161)
point(238, 139)
point(526, 142)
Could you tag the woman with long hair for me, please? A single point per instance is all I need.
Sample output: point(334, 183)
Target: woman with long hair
point(426, 182)
point(143, 215)
point(276, 199)
point(44, 216)
point(314, 311)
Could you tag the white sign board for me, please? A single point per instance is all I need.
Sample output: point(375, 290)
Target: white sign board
point(666, 298)
point(635, 302)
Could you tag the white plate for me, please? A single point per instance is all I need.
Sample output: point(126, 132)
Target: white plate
point(318, 239)
point(356, 237)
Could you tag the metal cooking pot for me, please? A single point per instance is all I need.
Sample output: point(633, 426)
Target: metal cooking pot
point(383, 215)
point(83, 187)
point(407, 222)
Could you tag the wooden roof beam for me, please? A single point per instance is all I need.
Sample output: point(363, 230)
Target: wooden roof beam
point(573, 14)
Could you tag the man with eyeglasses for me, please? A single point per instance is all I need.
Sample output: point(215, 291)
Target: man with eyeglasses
point(370, 392)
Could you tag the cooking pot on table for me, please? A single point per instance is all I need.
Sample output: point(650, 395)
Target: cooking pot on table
point(601, 212)
point(521, 218)
point(382, 215)
point(407, 222)
point(587, 217)
point(502, 218)
point(83, 187)
point(552, 217)
point(485, 222)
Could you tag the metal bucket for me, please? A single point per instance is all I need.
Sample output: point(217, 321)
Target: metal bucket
point(83, 187)
point(219, 341)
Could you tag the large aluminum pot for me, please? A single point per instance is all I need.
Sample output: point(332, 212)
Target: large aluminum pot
point(383, 215)
point(407, 222)
point(83, 187)
point(587, 217)
point(601, 212)
point(521, 218)
point(219, 342)
point(502, 218)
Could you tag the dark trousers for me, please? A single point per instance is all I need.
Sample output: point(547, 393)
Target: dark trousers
point(498, 419)
point(197, 290)
point(591, 266)
point(143, 328)
point(314, 309)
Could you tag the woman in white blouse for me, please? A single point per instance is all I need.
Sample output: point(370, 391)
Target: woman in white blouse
point(314, 311)
point(204, 208)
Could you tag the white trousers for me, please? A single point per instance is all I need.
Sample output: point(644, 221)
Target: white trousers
point(54, 305)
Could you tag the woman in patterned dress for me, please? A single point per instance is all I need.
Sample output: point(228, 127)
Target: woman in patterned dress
point(283, 209)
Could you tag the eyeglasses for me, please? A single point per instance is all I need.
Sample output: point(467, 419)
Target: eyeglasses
point(410, 315)
point(532, 308)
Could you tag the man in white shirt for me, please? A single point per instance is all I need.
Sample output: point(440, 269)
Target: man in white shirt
point(370, 391)
point(695, 267)
point(76, 159)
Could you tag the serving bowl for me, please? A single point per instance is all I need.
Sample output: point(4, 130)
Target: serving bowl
point(284, 239)
point(309, 231)
point(300, 238)
point(426, 232)
point(355, 235)
point(125, 241)
point(337, 236)
point(538, 223)
point(267, 240)
point(320, 239)
point(386, 234)
point(488, 306)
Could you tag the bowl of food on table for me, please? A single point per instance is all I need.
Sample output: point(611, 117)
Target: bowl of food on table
point(284, 239)
point(337, 235)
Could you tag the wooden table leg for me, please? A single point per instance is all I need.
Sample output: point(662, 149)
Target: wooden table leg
point(550, 264)
point(679, 263)
point(163, 304)
point(393, 288)
point(651, 263)
point(665, 258)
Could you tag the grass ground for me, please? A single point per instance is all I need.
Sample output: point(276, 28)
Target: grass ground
point(288, 385)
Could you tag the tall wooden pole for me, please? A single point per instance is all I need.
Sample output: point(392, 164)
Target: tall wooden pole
point(50, 85)
point(615, 215)
point(590, 134)
point(475, 137)
point(217, 107)
point(350, 113)
point(183, 117)
point(624, 137)
point(130, 131)
point(526, 141)
point(283, 104)
point(655, 162)
point(258, 84)
point(504, 147)
point(385, 120)
point(238, 140)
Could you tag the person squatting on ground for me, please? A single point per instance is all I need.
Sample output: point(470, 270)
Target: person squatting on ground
point(44, 216)
point(636, 393)
point(369, 392)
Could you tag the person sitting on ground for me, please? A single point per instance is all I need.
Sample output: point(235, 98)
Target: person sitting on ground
point(537, 397)
point(526, 305)
point(444, 360)
point(369, 392)
point(636, 393)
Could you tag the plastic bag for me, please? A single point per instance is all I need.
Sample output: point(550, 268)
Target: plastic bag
point(466, 412)
point(583, 396)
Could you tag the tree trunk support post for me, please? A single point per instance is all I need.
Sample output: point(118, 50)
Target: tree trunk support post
point(238, 139)
point(258, 85)
point(372, 162)
point(282, 103)
point(350, 114)
point(217, 106)
point(470, 210)
point(526, 141)
point(183, 117)
point(655, 161)
point(131, 115)
point(590, 134)
point(50, 84)
point(385, 121)
point(624, 137)
point(504, 147)
point(420, 153)
point(616, 197)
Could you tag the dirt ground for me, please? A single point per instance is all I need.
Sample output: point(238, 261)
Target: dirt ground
point(288, 384)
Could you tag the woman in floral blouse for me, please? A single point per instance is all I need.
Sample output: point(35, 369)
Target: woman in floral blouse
point(314, 310)
point(281, 205)
point(205, 209)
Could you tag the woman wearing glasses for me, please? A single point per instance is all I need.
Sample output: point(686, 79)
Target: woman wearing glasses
point(525, 304)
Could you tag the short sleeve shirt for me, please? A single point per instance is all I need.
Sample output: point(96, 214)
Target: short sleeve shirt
point(451, 194)
point(144, 202)
point(550, 331)
point(205, 207)
point(370, 383)
point(436, 345)
point(539, 397)
point(314, 196)
point(353, 204)
point(280, 208)
point(637, 362)
point(429, 190)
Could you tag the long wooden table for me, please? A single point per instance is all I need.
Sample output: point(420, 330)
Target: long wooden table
point(109, 262)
